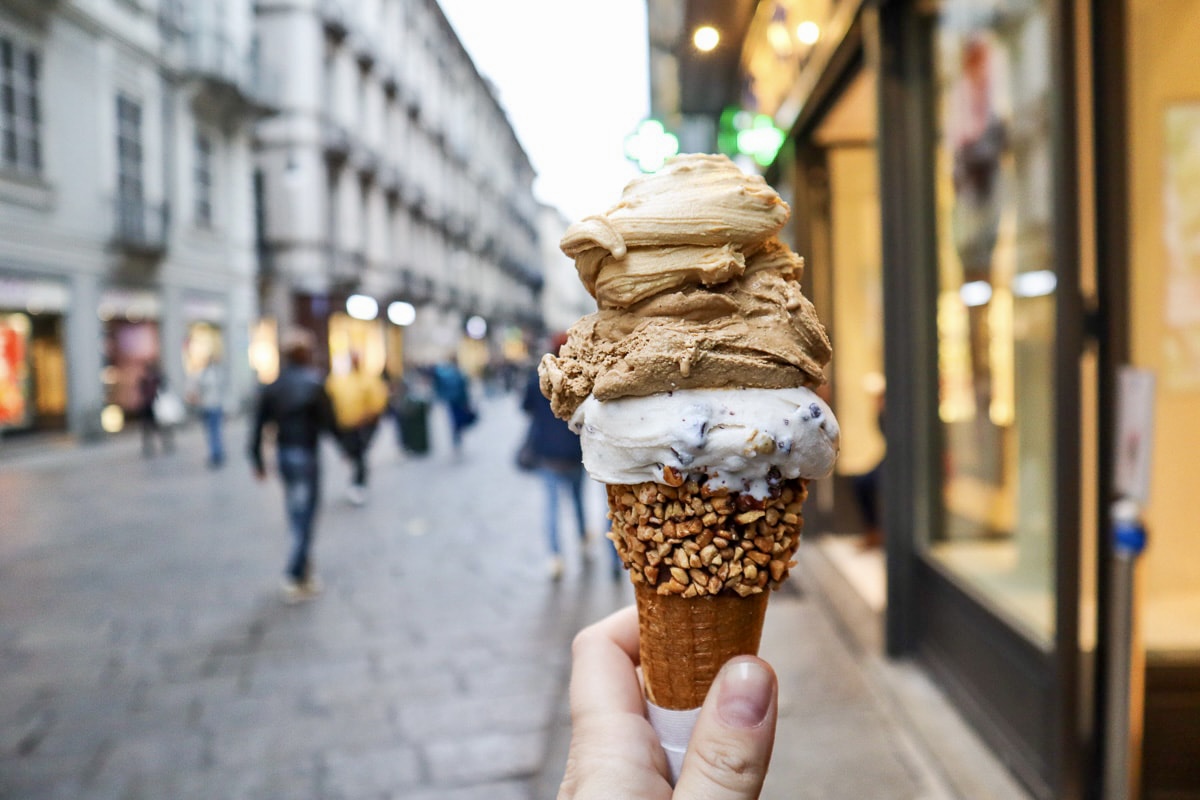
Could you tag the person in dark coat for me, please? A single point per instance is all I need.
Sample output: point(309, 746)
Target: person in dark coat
point(558, 459)
point(150, 383)
point(298, 408)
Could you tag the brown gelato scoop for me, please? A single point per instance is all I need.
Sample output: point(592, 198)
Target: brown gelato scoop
point(694, 291)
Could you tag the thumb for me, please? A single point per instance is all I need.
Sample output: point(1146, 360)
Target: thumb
point(731, 744)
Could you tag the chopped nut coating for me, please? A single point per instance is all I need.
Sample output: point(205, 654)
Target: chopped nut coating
point(692, 541)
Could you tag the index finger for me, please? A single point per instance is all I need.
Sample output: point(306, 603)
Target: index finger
point(604, 677)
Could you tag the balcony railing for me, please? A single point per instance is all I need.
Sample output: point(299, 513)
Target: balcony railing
point(335, 140)
point(229, 70)
point(344, 266)
point(391, 180)
point(139, 228)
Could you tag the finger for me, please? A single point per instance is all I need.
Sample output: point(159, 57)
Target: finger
point(604, 676)
point(730, 748)
point(614, 752)
point(621, 627)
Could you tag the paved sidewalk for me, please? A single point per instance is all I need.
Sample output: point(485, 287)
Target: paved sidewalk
point(145, 652)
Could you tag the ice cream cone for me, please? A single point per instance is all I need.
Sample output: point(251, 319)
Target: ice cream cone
point(685, 641)
point(702, 565)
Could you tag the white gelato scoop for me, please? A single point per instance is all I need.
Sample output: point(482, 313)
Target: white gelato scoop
point(740, 439)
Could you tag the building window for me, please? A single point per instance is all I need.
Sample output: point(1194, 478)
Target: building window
point(203, 180)
point(130, 187)
point(20, 116)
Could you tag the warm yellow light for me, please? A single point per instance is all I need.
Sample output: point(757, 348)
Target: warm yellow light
point(112, 419)
point(808, 32)
point(706, 38)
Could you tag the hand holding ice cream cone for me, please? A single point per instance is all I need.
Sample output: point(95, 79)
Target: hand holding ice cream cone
point(692, 390)
point(613, 752)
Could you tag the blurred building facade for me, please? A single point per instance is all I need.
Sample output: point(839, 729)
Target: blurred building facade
point(181, 178)
point(125, 201)
point(392, 172)
point(564, 298)
point(995, 201)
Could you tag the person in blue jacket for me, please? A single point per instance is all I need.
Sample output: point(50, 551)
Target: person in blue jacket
point(558, 459)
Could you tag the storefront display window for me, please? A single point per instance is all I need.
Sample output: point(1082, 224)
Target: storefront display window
point(130, 348)
point(203, 344)
point(14, 371)
point(364, 338)
point(996, 310)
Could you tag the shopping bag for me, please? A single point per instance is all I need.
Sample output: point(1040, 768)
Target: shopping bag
point(168, 409)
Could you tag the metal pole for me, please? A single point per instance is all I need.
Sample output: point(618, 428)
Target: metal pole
point(1129, 540)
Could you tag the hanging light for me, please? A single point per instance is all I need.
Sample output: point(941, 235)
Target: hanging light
point(477, 327)
point(1036, 283)
point(975, 293)
point(706, 38)
point(402, 313)
point(360, 306)
point(808, 32)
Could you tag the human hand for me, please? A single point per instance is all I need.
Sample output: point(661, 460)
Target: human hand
point(614, 751)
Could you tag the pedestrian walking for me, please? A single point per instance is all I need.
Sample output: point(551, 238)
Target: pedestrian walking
point(451, 387)
point(558, 459)
point(208, 395)
point(298, 408)
point(151, 385)
point(359, 400)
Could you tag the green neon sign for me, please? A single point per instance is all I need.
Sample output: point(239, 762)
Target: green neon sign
point(651, 145)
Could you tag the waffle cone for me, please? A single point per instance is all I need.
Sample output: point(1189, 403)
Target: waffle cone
point(685, 641)
point(702, 564)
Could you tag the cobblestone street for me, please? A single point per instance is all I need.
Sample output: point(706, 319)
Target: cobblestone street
point(145, 651)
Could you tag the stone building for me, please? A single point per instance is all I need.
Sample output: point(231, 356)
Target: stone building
point(392, 173)
point(126, 203)
point(178, 178)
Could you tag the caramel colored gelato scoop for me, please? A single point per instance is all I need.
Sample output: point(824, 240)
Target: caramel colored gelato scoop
point(694, 291)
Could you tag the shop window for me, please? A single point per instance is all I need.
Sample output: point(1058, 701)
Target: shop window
point(15, 405)
point(131, 347)
point(204, 343)
point(20, 114)
point(995, 316)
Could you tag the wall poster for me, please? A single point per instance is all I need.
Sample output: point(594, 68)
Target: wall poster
point(1181, 201)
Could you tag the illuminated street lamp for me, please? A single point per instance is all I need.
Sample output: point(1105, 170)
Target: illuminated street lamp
point(651, 145)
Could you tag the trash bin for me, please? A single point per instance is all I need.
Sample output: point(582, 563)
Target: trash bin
point(412, 420)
